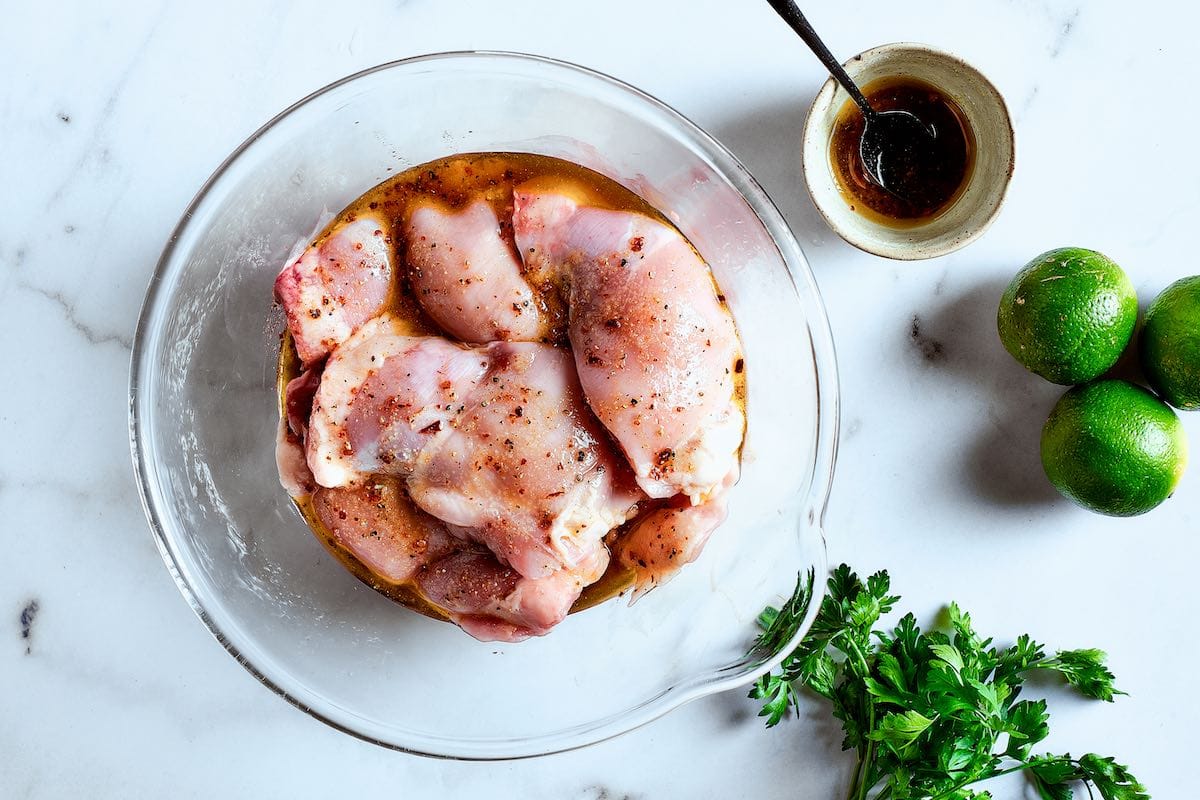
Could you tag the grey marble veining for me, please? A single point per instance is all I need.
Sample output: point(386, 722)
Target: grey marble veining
point(111, 118)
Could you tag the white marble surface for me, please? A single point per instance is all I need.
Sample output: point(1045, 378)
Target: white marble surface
point(113, 113)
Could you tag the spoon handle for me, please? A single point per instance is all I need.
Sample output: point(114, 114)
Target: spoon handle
point(795, 18)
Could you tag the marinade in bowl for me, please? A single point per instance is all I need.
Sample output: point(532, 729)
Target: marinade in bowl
point(204, 411)
point(508, 388)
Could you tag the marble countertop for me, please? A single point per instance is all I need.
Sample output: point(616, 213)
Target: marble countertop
point(113, 114)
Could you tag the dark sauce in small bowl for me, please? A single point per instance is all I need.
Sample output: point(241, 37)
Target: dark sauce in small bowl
point(942, 171)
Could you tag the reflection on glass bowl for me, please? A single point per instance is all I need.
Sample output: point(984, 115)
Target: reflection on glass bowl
point(203, 419)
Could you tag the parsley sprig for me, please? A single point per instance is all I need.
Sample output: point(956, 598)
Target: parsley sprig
point(930, 714)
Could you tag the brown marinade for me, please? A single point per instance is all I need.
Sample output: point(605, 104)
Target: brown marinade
point(943, 172)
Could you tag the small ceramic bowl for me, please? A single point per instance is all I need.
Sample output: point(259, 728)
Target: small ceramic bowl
point(977, 205)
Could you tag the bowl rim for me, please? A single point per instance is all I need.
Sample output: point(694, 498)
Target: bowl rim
point(824, 444)
point(914, 250)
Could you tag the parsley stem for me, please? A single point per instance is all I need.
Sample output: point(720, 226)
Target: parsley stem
point(868, 760)
point(861, 664)
point(858, 767)
point(856, 784)
point(1016, 768)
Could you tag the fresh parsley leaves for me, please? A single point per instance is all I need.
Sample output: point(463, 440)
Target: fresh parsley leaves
point(930, 714)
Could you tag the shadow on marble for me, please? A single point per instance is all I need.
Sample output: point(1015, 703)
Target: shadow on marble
point(1129, 365)
point(1002, 464)
point(766, 138)
point(813, 716)
point(819, 735)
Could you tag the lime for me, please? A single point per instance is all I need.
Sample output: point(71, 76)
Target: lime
point(1068, 315)
point(1114, 448)
point(1171, 344)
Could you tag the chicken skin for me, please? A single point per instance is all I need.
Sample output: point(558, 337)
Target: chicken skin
point(495, 441)
point(655, 348)
point(664, 539)
point(378, 524)
point(467, 277)
point(335, 286)
point(496, 603)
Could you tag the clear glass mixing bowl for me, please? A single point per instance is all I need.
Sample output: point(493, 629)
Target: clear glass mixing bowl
point(203, 420)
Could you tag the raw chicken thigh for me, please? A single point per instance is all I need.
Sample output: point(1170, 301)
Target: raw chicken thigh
point(525, 466)
point(335, 286)
point(381, 528)
point(492, 473)
point(383, 398)
point(495, 440)
point(495, 603)
point(655, 348)
point(665, 539)
point(467, 277)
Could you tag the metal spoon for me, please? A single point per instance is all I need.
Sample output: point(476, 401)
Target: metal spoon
point(892, 142)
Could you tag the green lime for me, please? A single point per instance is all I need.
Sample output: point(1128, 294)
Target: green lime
point(1171, 344)
point(1114, 448)
point(1068, 315)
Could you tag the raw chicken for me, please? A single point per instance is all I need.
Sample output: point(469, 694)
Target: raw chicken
point(398, 542)
point(380, 526)
point(335, 286)
point(384, 397)
point(655, 347)
point(294, 474)
point(484, 476)
point(467, 277)
point(663, 540)
point(298, 398)
point(526, 465)
point(494, 603)
point(495, 441)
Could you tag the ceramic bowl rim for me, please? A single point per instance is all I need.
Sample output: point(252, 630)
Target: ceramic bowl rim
point(917, 250)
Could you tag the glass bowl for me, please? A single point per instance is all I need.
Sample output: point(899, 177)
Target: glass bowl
point(203, 419)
